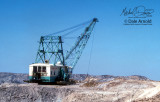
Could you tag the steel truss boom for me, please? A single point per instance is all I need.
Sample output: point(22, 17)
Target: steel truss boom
point(76, 51)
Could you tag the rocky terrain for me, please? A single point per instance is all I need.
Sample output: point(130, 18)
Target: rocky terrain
point(12, 77)
point(102, 88)
point(19, 77)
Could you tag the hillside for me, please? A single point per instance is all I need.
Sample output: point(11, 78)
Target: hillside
point(101, 88)
point(18, 78)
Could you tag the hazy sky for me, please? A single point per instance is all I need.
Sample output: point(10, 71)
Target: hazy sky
point(118, 49)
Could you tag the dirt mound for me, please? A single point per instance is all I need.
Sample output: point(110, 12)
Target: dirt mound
point(102, 88)
point(155, 98)
point(32, 93)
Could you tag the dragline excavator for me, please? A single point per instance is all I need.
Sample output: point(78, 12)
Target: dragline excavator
point(52, 63)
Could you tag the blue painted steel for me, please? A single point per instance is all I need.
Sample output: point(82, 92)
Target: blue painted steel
point(50, 48)
point(44, 78)
point(76, 51)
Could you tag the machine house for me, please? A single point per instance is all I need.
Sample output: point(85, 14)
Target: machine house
point(43, 72)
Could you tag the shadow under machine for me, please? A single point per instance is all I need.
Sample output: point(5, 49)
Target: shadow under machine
point(55, 58)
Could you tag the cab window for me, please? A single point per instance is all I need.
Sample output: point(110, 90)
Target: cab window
point(44, 69)
point(34, 69)
point(39, 68)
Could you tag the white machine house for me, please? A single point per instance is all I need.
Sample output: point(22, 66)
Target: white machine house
point(45, 72)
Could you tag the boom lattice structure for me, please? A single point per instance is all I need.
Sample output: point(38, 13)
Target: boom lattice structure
point(76, 51)
point(51, 47)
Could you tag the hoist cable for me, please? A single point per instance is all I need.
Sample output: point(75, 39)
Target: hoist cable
point(69, 28)
point(72, 31)
point(90, 55)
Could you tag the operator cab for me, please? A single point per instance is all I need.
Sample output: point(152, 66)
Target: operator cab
point(45, 72)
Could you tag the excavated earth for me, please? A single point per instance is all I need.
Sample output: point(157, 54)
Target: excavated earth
point(104, 88)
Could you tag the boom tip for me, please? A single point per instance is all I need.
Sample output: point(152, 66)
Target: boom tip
point(95, 20)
